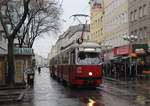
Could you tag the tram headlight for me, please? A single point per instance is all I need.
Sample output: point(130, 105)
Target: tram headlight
point(90, 73)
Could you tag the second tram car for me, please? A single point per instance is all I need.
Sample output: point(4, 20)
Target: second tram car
point(78, 64)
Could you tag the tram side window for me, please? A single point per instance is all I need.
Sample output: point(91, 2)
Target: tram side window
point(52, 62)
point(72, 57)
point(65, 58)
point(59, 60)
point(55, 60)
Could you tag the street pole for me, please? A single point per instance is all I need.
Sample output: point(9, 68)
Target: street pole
point(130, 38)
point(125, 70)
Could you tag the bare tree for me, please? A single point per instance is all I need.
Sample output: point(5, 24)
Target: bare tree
point(43, 16)
point(46, 19)
point(11, 28)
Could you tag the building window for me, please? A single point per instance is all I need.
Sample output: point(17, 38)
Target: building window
point(140, 12)
point(145, 34)
point(135, 33)
point(144, 10)
point(140, 34)
point(101, 18)
point(101, 31)
point(131, 16)
point(135, 14)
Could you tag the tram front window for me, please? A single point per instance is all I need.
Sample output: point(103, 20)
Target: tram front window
point(88, 58)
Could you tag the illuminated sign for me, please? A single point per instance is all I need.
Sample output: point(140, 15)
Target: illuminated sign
point(124, 50)
point(89, 49)
point(140, 51)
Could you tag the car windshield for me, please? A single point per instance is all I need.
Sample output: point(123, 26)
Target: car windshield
point(88, 58)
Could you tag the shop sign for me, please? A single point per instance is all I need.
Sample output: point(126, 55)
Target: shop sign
point(140, 51)
point(106, 54)
point(133, 55)
point(124, 50)
point(23, 51)
point(139, 48)
point(96, 4)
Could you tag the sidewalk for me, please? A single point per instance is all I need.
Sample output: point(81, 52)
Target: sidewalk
point(8, 95)
point(138, 83)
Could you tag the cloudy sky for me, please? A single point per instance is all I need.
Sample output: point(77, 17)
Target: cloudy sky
point(43, 45)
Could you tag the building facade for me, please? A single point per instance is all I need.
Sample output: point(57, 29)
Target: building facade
point(115, 24)
point(97, 20)
point(116, 21)
point(139, 20)
point(72, 34)
point(139, 25)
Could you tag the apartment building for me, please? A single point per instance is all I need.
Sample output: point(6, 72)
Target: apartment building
point(139, 20)
point(115, 24)
point(69, 36)
point(139, 25)
point(97, 20)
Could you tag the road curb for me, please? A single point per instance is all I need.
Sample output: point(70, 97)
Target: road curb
point(118, 81)
point(118, 94)
point(126, 83)
point(107, 91)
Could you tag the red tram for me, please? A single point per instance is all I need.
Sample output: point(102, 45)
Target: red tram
point(78, 64)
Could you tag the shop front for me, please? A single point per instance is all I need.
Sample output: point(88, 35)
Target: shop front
point(116, 66)
point(23, 62)
point(3, 54)
point(147, 62)
point(2, 70)
point(141, 57)
point(131, 59)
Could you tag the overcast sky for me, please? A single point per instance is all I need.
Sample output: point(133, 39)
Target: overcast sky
point(43, 45)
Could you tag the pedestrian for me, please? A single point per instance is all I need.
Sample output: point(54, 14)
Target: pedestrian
point(133, 71)
point(39, 70)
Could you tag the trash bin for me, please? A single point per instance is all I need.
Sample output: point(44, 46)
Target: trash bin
point(30, 78)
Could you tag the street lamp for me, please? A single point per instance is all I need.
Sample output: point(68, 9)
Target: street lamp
point(105, 46)
point(130, 38)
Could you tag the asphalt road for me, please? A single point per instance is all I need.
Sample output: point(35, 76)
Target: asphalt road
point(49, 92)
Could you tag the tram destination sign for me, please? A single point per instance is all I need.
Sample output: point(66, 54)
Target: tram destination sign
point(23, 51)
point(90, 49)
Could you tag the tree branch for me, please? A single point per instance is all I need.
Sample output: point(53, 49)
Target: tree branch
point(26, 9)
